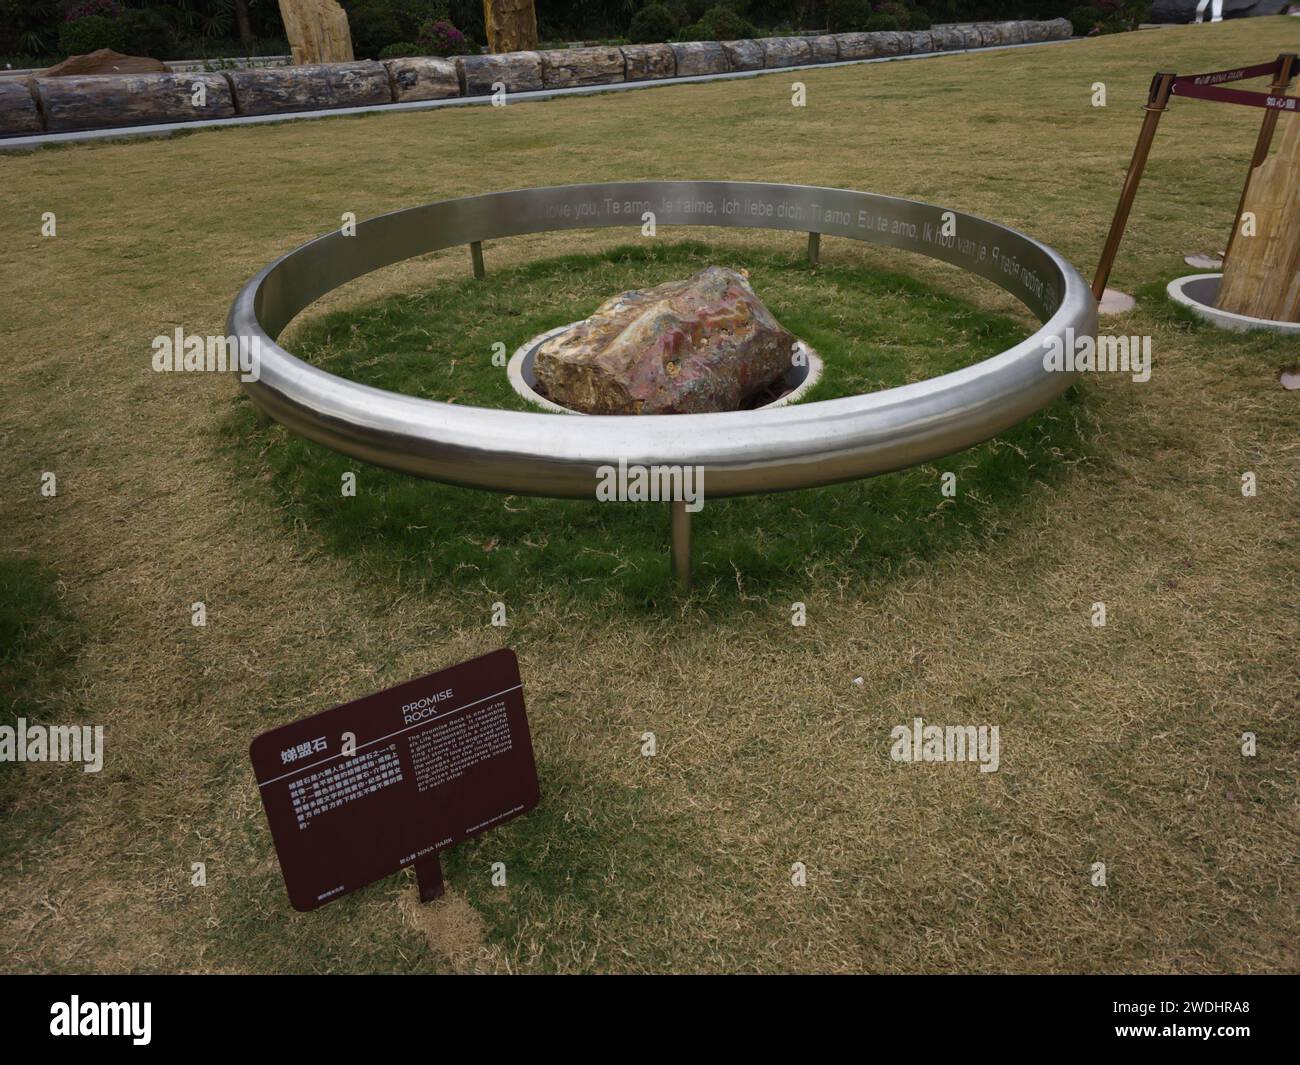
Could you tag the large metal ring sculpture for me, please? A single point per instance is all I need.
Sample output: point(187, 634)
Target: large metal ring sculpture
point(741, 452)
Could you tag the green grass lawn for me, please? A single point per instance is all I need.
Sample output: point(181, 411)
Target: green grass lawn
point(1120, 744)
point(874, 329)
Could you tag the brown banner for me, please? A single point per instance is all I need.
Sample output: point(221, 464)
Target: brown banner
point(1272, 101)
point(1219, 77)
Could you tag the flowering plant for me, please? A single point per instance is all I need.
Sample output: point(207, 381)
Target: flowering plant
point(440, 37)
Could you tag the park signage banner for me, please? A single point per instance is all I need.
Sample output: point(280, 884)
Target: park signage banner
point(358, 792)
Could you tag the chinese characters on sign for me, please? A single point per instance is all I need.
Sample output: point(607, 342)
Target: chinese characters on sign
point(358, 792)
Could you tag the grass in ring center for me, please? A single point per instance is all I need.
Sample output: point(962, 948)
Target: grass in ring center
point(873, 329)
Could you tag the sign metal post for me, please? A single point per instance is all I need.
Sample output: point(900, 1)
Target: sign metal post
point(428, 878)
point(681, 535)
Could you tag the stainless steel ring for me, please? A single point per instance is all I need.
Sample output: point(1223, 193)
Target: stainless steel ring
point(741, 452)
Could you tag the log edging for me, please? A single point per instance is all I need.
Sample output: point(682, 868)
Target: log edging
point(364, 83)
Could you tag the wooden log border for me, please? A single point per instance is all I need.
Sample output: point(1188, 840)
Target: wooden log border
point(93, 101)
point(33, 105)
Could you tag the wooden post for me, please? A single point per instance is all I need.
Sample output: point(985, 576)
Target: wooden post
point(1261, 275)
point(1157, 101)
point(317, 31)
point(511, 25)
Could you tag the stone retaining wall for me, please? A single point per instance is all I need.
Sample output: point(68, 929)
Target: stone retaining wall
point(31, 105)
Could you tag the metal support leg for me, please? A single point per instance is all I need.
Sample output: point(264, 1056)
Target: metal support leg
point(476, 253)
point(681, 523)
point(814, 248)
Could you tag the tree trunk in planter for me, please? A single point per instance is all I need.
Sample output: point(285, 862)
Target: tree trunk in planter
point(511, 25)
point(1261, 276)
point(317, 31)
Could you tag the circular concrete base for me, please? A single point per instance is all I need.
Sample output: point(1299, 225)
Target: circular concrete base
point(799, 379)
point(1113, 301)
point(1197, 292)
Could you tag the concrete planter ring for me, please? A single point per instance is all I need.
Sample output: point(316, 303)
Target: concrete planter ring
point(743, 452)
point(1198, 293)
point(804, 373)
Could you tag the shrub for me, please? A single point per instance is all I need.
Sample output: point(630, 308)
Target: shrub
point(107, 8)
point(1119, 16)
point(686, 12)
point(1085, 20)
point(442, 38)
point(375, 24)
point(87, 34)
point(879, 22)
point(28, 28)
point(653, 24)
point(719, 23)
point(1108, 16)
point(848, 16)
point(400, 50)
point(895, 10)
point(858, 15)
point(467, 15)
point(147, 32)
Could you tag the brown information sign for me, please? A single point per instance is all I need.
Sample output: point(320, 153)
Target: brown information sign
point(358, 792)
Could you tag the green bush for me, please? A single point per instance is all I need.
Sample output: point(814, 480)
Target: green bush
point(1119, 16)
point(147, 32)
point(376, 24)
point(87, 34)
point(400, 50)
point(878, 23)
point(686, 12)
point(848, 16)
point(653, 24)
point(1084, 20)
point(719, 23)
point(441, 38)
point(895, 9)
point(28, 28)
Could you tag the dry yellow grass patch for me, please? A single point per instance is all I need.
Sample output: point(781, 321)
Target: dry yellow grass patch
point(1119, 744)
